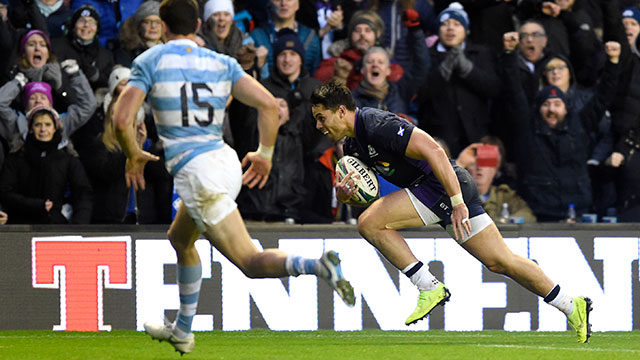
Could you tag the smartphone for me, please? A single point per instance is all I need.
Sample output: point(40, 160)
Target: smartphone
point(487, 155)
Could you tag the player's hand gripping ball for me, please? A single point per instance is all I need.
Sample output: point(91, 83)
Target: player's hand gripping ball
point(368, 189)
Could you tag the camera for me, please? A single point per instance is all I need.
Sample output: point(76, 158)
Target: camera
point(487, 155)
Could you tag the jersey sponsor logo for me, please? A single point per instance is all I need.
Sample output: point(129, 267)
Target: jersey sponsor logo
point(384, 168)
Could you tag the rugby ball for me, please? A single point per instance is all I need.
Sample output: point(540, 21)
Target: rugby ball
point(367, 183)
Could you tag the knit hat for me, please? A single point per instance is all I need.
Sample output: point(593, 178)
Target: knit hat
point(43, 108)
point(362, 20)
point(145, 9)
point(25, 38)
point(632, 12)
point(214, 6)
point(85, 10)
point(118, 74)
point(550, 92)
point(455, 11)
point(37, 87)
point(288, 39)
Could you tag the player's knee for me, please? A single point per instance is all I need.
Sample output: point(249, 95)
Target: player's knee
point(498, 265)
point(177, 241)
point(366, 226)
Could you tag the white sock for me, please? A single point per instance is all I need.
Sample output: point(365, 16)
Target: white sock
point(562, 301)
point(421, 277)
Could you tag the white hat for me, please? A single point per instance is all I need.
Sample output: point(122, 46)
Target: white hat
point(118, 74)
point(214, 6)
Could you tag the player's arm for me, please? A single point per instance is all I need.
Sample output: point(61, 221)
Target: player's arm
point(250, 92)
point(423, 147)
point(125, 111)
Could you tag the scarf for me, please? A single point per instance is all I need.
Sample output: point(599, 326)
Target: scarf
point(47, 10)
point(230, 46)
point(379, 93)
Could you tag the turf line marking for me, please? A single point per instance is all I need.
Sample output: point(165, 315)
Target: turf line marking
point(559, 348)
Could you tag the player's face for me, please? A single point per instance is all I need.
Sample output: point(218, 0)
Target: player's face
point(223, 21)
point(553, 112)
point(452, 33)
point(289, 63)
point(43, 127)
point(376, 68)
point(558, 74)
point(363, 37)
point(36, 51)
point(533, 40)
point(152, 28)
point(86, 28)
point(632, 29)
point(329, 122)
point(37, 99)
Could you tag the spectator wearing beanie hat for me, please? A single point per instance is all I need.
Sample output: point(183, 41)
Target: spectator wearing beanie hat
point(37, 93)
point(631, 22)
point(220, 31)
point(81, 44)
point(283, 15)
point(37, 176)
point(112, 15)
point(139, 33)
point(461, 83)
point(41, 93)
point(552, 141)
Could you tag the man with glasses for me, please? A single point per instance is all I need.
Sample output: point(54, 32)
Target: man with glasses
point(531, 53)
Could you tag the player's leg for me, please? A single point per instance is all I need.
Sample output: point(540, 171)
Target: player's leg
point(379, 224)
point(232, 239)
point(489, 247)
point(182, 234)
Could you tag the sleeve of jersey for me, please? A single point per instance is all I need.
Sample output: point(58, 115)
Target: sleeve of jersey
point(141, 70)
point(391, 134)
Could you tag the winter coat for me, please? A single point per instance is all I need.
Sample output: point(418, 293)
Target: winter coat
point(26, 14)
point(457, 110)
point(500, 194)
point(552, 162)
point(95, 61)
point(32, 175)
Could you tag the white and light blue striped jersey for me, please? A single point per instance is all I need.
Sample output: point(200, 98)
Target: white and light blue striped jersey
point(187, 87)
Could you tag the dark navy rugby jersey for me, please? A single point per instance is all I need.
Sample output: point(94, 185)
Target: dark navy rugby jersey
point(381, 140)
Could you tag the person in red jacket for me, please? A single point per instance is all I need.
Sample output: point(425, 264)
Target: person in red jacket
point(365, 31)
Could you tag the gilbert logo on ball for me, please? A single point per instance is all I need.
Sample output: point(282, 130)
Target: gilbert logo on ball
point(365, 179)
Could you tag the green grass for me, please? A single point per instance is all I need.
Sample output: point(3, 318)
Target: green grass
point(323, 344)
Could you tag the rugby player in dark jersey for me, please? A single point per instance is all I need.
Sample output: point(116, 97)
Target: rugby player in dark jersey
point(434, 190)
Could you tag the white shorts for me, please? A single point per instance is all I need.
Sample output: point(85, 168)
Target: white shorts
point(478, 223)
point(208, 186)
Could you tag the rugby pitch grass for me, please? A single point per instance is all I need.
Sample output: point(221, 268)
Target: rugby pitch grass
point(323, 344)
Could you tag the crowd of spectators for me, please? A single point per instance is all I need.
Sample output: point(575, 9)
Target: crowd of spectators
point(554, 85)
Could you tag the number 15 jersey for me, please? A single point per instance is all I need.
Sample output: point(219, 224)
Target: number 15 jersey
point(187, 87)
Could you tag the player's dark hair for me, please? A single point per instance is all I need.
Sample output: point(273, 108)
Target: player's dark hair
point(181, 16)
point(332, 95)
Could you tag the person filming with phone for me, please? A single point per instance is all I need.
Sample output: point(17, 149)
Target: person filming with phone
point(484, 161)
